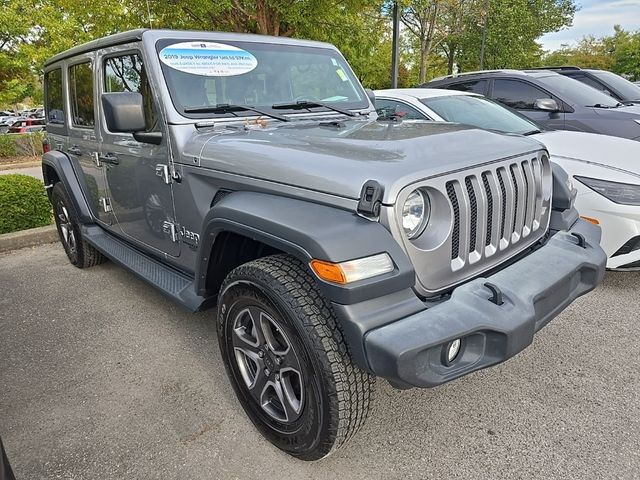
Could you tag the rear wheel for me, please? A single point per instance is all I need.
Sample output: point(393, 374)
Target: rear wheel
point(80, 253)
point(287, 359)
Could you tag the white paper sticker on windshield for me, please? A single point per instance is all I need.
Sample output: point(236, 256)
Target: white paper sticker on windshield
point(208, 59)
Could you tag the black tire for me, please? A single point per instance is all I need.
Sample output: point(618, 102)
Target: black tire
point(80, 253)
point(331, 393)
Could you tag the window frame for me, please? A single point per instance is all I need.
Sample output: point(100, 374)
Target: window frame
point(56, 128)
point(90, 59)
point(102, 61)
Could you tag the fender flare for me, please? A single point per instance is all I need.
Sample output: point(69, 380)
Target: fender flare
point(63, 167)
point(307, 231)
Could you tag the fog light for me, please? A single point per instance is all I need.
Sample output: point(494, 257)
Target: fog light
point(453, 349)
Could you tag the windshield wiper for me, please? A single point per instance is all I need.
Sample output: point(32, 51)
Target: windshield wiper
point(308, 104)
point(230, 108)
point(599, 105)
point(531, 132)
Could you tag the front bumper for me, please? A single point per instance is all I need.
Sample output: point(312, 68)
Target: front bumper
point(410, 351)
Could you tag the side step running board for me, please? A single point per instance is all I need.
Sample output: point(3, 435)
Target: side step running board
point(173, 283)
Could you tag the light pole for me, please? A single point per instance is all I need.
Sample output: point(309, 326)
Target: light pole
point(394, 46)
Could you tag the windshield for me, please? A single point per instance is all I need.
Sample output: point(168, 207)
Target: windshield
point(574, 92)
point(627, 90)
point(479, 112)
point(202, 74)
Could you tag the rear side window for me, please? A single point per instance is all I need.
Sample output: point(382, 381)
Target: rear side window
point(518, 95)
point(81, 95)
point(126, 73)
point(475, 86)
point(54, 103)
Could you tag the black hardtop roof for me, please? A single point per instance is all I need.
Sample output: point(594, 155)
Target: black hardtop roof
point(136, 35)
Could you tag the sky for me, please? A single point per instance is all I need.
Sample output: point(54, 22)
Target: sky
point(596, 17)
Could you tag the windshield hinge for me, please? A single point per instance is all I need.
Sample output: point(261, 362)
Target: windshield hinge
point(105, 203)
point(370, 198)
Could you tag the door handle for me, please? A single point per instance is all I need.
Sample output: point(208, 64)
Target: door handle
point(109, 158)
point(74, 150)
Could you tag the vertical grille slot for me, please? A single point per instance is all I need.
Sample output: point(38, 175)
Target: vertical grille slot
point(503, 192)
point(455, 237)
point(473, 206)
point(516, 196)
point(487, 189)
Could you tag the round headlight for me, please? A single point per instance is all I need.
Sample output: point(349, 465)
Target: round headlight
point(415, 213)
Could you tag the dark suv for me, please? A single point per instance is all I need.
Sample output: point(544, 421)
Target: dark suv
point(550, 99)
point(251, 172)
point(608, 82)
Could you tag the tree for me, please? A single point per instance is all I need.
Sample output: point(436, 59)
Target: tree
point(512, 31)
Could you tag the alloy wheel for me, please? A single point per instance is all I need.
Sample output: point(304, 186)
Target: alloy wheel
point(268, 364)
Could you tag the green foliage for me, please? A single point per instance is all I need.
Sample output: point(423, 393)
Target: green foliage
point(619, 53)
point(23, 203)
point(27, 145)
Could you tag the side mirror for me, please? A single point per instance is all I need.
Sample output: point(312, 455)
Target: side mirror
point(371, 95)
point(124, 113)
point(547, 105)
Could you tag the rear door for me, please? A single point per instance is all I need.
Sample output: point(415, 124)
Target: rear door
point(139, 186)
point(82, 144)
point(521, 96)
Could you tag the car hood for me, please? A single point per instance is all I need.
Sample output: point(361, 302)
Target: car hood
point(611, 152)
point(338, 158)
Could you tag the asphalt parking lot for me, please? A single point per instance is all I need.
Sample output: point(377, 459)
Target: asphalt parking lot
point(103, 378)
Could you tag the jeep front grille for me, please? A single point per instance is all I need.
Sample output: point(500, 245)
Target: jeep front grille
point(518, 195)
point(491, 212)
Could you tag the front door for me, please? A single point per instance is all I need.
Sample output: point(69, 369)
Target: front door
point(82, 145)
point(141, 197)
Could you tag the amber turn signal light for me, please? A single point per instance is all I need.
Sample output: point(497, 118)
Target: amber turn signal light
point(592, 220)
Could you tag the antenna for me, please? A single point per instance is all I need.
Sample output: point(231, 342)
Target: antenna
point(149, 15)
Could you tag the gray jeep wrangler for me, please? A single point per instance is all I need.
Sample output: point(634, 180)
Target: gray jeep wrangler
point(251, 173)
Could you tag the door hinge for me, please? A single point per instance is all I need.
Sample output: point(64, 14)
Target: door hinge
point(162, 171)
point(168, 173)
point(170, 229)
point(106, 204)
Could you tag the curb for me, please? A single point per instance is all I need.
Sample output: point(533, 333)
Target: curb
point(18, 166)
point(28, 238)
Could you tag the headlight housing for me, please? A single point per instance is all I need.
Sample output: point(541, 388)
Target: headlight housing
point(622, 193)
point(416, 212)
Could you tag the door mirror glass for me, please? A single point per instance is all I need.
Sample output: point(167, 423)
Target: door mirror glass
point(547, 105)
point(124, 112)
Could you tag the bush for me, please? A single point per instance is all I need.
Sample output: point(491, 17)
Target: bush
point(23, 203)
point(25, 145)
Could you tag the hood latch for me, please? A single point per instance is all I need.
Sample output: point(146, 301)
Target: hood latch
point(370, 198)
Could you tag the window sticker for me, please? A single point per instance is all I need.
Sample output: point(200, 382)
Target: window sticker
point(342, 75)
point(208, 59)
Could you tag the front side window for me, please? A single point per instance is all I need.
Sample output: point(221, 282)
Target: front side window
point(126, 73)
point(54, 102)
point(518, 95)
point(386, 108)
point(81, 95)
point(203, 74)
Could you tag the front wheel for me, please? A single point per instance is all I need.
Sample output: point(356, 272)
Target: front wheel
point(287, 359)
